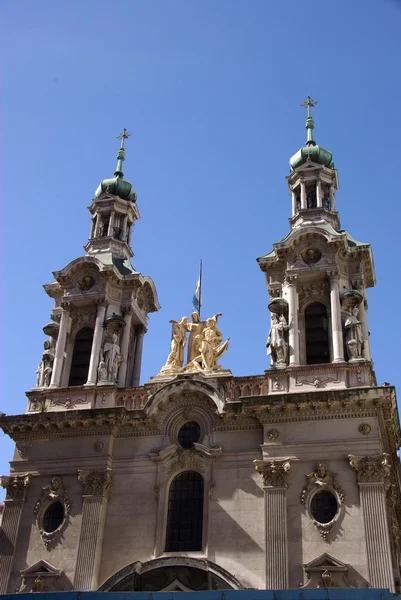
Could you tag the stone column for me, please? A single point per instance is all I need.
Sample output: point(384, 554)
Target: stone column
point(124, 229)
point(110, 232)
point(332, 197)
point(93, 224)
point(373, 476)
point(60, 346)
point(303, 194)
point(318, 193)
point(275, 474)
point(95, 497)
point(97, 224)
point(122, 373)
point(294, 203)
point(96, 343)
point(136, 372)
point(130, 229)
point(17, 487)
point(364, 324)
point(336, 325)
point(293, 331)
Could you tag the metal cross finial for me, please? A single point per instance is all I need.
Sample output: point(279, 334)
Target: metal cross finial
point(123, 136)
point(309, 103)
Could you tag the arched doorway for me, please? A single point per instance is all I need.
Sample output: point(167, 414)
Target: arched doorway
point(171, 574)
point(317, 334)
point(81, 357)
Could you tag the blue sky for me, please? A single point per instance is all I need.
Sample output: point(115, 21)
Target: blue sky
point(211, 93)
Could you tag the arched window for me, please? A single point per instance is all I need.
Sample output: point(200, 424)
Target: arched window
point(185, 513)
point(311, 198)
point(316, 334)
point(81, 357)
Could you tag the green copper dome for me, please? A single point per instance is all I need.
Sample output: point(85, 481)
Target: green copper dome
point(311, 151)
point(117, 184)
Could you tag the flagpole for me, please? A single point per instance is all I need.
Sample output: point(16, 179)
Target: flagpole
point(200, 289)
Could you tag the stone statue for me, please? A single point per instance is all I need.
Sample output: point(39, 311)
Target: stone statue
point(276, 344)
point(45, 368)
point(39, 584)
point(175, 359)
point(195, 329)
point(112, 358)
point(210, 347)
point(327, 579)
point(353, 331)
point(102, 369)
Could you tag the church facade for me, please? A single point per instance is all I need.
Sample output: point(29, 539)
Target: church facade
point(200, 480)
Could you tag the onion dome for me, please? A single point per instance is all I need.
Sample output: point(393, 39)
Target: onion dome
point(117, 186)
point(311, 151)
point(51, 329)
point(278, 306)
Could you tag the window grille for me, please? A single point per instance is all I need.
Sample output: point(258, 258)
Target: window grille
point(185, 513)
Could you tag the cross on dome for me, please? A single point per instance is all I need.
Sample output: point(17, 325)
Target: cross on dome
point(124, 135)
point(309, 103)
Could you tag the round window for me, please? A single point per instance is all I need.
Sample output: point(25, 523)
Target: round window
point(324, 507)
point(188, 434)
point(53, 517)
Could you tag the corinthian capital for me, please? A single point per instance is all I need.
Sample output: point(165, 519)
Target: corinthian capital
point(16, 486)
point(274, 472)
point(371, 469)
point(96, 483)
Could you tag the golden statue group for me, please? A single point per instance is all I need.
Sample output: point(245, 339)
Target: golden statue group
point(205, 345)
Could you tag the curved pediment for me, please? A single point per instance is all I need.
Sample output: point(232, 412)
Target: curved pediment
point(186, 387)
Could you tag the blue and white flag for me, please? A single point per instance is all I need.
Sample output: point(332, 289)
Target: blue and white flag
point(197, 300)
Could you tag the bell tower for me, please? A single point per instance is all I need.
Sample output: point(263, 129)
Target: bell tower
point(316, 279)
point(101, 306)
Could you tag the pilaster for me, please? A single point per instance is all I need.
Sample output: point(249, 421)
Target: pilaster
point(373, 477)
point(17, 487)
point(96, 490)
point(275, 473)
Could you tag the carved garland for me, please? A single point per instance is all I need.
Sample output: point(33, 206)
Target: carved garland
point(321, 479)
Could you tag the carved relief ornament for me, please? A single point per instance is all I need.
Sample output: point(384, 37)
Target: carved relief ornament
point(96, 483)
point(16, 486)
point(371, 469)
point(174, 458)
point(274, 472)
point(321, 479)
point(55, 491)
